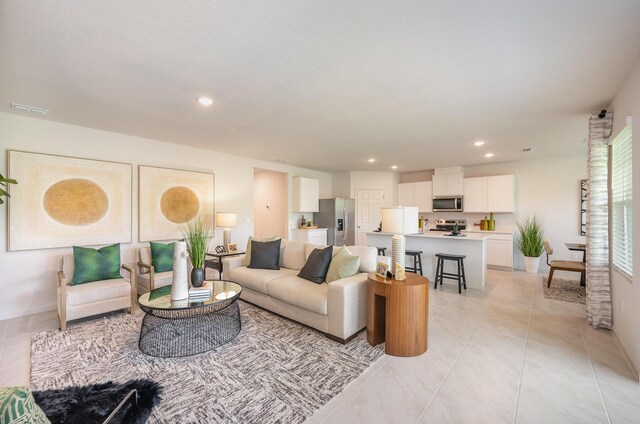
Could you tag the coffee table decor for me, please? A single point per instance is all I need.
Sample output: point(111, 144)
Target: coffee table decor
point(173, 328)
point(274, 371)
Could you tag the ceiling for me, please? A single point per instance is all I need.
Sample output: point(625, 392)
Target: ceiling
point(326, 85)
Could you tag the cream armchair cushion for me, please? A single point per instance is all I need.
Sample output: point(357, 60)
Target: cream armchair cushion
point(97, 297)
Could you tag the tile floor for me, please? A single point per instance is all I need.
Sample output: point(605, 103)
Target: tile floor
point(503, 354)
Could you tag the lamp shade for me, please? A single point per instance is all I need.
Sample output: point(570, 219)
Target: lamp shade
point(400, 220)
point(226, 219)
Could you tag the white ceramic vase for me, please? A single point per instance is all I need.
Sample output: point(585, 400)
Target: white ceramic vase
point(180, 283)
point(531, 264)
point(398, 252)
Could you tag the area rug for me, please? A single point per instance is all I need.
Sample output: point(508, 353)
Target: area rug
point(274, 371)
point(565, 290)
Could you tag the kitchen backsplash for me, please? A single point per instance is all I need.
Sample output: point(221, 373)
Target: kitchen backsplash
point(502, 219)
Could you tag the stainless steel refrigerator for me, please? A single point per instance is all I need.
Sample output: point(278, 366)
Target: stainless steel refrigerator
point(338, 215)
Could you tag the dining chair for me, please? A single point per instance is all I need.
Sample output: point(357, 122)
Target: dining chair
point(573, 266)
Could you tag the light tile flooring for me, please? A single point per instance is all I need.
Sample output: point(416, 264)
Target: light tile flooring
point(503, 354)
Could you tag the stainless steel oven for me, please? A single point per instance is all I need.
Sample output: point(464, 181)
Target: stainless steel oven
point(447, 204)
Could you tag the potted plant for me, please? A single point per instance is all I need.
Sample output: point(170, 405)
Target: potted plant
point(197, 237)
point(3, 186)
point(530, 241)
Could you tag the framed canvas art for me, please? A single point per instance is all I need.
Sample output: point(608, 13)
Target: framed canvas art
point(62, 201)
point(169, 198)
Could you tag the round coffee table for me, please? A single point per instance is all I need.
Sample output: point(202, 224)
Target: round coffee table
point(175, 328)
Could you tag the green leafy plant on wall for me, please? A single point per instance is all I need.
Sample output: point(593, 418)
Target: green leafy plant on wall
point(530, 237)
point(3, 187)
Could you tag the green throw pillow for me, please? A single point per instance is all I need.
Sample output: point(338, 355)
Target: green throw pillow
point(95, 265)
point(247, 256)
point(162, 256)
point(343, 265)
point(18, 406)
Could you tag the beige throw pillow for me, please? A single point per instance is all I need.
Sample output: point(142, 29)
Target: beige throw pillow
point(343, 265)
point(247, 256)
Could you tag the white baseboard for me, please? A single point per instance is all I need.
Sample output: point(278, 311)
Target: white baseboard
point(627, 357)
point(29, 311)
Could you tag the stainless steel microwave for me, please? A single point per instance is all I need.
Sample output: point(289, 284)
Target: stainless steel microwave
point(447, 204)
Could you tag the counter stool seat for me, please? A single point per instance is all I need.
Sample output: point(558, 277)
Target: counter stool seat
point(440, 274)
point(417, 261)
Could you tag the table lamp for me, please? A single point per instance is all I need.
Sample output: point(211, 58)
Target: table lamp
point(226, 220)
point(399, 221)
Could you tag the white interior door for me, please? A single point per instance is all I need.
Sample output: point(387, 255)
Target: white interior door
point(369, 206)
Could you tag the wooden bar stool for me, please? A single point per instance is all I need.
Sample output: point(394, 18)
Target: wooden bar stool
point(417, 261)
point(381, 251)
point(440, 274)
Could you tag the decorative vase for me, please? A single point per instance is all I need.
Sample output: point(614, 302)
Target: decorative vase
point(180, 282)
point(398, 252)
point(492, 223)
point(531, 264)
point(197, 277)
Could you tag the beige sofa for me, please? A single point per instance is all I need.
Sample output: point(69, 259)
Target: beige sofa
point(338, 309)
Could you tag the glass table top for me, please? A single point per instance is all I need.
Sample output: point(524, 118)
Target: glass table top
point(222, 290)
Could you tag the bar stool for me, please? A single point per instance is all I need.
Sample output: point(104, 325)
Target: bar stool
point(440, 274)
point(381, 251)
point(417, 261)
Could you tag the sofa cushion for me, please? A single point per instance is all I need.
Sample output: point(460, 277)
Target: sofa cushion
point(256, 279)
point(315, 270)
point(144, 257)
point(309, 247)
point(301, 293)
point(343, 265)
point(247, 256)
point(368, 257)
point(96, 264)
point(97, 291)
point(292, 254)
point(162, 256)
point(265, 255)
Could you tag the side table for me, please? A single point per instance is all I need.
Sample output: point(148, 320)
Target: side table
point(398, 314)
point(217, 262)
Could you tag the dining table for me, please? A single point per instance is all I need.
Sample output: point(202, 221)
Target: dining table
point(578, 247)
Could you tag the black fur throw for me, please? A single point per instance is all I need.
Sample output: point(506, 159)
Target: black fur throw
point(94, 403)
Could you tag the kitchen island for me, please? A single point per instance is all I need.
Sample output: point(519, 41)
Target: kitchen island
point(473, 246)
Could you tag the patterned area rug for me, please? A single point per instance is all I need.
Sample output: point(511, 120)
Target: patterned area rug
point(565, 290)
point(275, 370)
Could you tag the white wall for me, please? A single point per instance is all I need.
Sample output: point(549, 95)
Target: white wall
point(28, 279)
point(342, 184)
point(548, 188)
point(626, 325)
point(386, 181)
point(270, 206)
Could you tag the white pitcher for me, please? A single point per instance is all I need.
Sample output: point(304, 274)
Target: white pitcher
point(180, 283)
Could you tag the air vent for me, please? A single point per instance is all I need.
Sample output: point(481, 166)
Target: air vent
point(30, 109)
point(526, 149)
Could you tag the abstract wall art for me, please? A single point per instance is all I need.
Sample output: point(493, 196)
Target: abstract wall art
point(63, 201)
point(169, 198)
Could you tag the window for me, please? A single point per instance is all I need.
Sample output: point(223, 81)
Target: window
point(621, 208)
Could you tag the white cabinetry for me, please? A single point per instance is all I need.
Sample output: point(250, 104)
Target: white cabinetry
point(305, 194)
point(314, 236)
point(500, 251)
point(489, 194)
point(418, 194)
point(448, 185)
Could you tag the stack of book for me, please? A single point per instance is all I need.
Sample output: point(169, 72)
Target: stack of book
point(199, 293)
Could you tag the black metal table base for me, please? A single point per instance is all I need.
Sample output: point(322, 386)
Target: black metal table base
point(186, 332)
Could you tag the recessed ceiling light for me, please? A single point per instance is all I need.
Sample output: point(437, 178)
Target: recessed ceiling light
point(488, 155)
point(478, 143)
point(394, 167)
point(372, 160)
point(205, 101)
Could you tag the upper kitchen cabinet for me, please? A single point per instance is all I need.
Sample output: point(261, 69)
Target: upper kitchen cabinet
point(489, 194)
point(305, 194)
point(416, 194)
point(448, 185)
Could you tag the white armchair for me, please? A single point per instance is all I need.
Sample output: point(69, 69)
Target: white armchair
point(97, 297)
point(147, 278)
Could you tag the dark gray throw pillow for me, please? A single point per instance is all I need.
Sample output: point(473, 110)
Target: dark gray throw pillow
point(315, 270)
point(265, 255)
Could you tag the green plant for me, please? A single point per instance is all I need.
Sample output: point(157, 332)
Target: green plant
point(3, 185)
point(197, 237)
point(530, 237)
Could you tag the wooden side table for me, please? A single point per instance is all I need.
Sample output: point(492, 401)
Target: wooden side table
point(398, 314)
